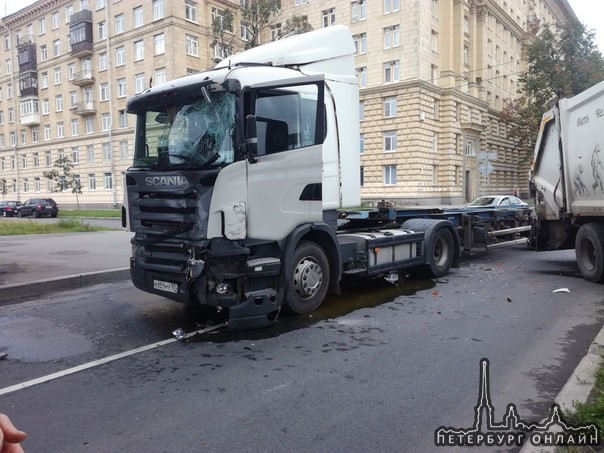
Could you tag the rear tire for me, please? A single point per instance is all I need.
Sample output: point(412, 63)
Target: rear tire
point(589, 250)
point(441, 253)
point(19, 214)
point(308, 278)
point(36, 214)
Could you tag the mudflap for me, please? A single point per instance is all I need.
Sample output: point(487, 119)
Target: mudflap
point(260, 309)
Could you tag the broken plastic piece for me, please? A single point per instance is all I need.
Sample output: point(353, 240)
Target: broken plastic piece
point(179, 333)
point(562, 290)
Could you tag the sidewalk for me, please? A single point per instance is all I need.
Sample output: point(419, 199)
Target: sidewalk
point(32, 265)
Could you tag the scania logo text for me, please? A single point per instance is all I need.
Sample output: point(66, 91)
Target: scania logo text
point(166, 181)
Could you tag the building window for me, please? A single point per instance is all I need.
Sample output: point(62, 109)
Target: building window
point(358, 10)
point(390, 141)
point(465, 54)
point(361, 111)
point(138, 17)
point(160, 76)
point(57, 75)
point(276, 31)
point(139, 50)
point(55, 20)
point(48, 158)
point(389, 175)
point(43, 52)
point(190, 10)
point(25, 185)
point(102, 27)
point(75, 155)
point(36, 159)
point(362, 176)
point(106, 121)
point(192, 45)
point(362, 77)
point(434, 41)
point(121, 88)
point(120, 56)
point(103, 61)
point(119, 24)
point(107, 154)
point(159, 44)
point(73, 99)
point(470, 151)
point(139, 80)
point(37, 184)
point(47, 134)
point(124, 149)
point(56, 46)
point(74, 127)
point(89, 122)
point(158, 9)
point(91, 181)
point(361, 143)
point(71, 69)
point(360, 43)
point(45, 106)
point(391, 71)
point(392, 36)
point(123, 118)
point(391, 6)
point(108, 181)
point(390, 107)
point(60, 130)
point(329, 17)
point(42, 26)
point(90, 153)
point(59, 102)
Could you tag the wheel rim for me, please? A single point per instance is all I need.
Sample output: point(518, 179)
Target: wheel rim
point(308, 277)
point(441, 252)
point(588, 254)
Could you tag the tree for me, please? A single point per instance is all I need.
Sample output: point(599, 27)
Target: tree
point(294, 26)
point(222, 34)
point(63, 177)
point(562, 62)
point(259, 15)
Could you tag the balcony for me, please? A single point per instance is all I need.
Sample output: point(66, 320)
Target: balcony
point(85, 108)
point(80, 34)
point(31, 119)
point(83, 78)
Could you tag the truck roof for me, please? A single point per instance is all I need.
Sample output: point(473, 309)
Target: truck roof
point(324, 44)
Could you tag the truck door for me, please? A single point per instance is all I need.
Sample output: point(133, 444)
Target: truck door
point(284, 179)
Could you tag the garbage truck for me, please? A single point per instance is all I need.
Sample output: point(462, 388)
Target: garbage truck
point(567, 180)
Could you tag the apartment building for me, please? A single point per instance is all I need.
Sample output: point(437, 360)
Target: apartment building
point(433, 76)
point(67, 69)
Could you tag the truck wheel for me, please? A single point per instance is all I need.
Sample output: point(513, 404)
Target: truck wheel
point(308, 278)
point(589, 249)
point(440, 254)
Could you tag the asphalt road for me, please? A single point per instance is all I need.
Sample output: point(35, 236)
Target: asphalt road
point(379, 368)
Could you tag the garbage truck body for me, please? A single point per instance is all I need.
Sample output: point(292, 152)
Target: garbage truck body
point(239, 177)
point(567, 177)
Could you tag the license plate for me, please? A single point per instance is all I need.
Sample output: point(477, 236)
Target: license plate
point(165, 286)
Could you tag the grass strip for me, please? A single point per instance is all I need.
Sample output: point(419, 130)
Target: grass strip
point(17, 227)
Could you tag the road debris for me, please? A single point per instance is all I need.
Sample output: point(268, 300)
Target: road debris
point(562, 290)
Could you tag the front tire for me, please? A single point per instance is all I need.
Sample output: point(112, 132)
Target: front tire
point(589, 250)
point(19, 214)
point(308, 278)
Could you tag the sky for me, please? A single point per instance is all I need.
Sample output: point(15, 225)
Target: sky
point(589, 12)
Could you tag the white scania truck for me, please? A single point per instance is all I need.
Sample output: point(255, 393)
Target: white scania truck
point(238, 176)
point(568, 180)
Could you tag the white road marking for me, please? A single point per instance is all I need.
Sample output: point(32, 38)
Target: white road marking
point(95, 363)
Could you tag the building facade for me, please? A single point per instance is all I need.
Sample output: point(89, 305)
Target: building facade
point(433, 76)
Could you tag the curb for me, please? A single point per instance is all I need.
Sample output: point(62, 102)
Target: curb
point(15, 293)
point(578, 387)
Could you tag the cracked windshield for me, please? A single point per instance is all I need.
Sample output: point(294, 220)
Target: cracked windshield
point(194, 135)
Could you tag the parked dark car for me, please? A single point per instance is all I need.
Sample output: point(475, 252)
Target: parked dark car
point(9, 208)
point(38, 207)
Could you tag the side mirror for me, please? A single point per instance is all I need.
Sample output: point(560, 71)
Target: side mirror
point(251, 137)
